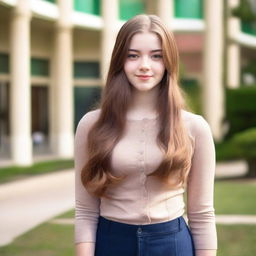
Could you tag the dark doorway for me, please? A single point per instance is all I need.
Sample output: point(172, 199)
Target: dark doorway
point(40, 117)
point(4, 120)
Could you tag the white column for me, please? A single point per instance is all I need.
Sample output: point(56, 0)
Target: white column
point(212, 86)
point(165, 10)
point(110, 15)
point(62, 98)
point(233, 49)
point(20, 93)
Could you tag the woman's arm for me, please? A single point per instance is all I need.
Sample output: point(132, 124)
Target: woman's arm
point(86, 205)
point(200, 190)
point(206, 252)
point(85, 249)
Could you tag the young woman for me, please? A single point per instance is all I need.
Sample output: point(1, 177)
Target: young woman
point(139, 152)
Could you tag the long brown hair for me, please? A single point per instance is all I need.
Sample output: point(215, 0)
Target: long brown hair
point(173, 138)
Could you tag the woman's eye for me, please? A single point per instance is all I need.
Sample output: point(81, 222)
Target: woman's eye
point(157, 56)
point(132, 56)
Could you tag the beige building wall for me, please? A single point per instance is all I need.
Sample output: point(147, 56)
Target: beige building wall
point(86, 45)
point(95, 44)
point(41, 39)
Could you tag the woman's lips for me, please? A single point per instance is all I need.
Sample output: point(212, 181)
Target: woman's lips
point(144, 77)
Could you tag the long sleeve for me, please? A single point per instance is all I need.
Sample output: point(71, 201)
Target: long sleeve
point(200, 190)
point(86, 205)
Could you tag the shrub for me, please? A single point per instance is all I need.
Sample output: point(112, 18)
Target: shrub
point(244, 144)
point(244, 11)
point(240, 109)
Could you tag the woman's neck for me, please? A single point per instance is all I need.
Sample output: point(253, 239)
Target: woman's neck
point(143, 104)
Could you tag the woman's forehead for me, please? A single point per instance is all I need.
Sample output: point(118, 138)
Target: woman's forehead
point(145, 41)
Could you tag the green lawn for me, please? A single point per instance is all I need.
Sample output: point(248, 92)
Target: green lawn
point(14, 172)
point(69, 214)
point(45, 240)
point(235, 197)
point(236, 240)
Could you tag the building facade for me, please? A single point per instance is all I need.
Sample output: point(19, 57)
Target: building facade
point(54, 55)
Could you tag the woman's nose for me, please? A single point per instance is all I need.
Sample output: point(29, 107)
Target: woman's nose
point(144, 65)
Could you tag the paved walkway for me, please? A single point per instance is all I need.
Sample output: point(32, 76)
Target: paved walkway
point(27, 203)
point(237, 168)
point(30, 202)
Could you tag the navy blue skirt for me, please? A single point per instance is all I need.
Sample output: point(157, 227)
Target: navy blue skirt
point(171, 238)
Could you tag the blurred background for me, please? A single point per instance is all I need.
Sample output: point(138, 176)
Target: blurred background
point(54, 56)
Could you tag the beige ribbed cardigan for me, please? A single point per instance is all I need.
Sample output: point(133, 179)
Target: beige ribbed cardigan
point(144, 200)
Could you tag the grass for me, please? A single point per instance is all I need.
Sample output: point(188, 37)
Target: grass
point(235, 197)
point(44, 240)
point(14, 172)
point(69, 214)
point(236, 240)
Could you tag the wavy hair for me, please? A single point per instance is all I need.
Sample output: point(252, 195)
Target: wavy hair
point(173, 138)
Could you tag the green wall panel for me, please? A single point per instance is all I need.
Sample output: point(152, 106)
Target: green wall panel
point(86, 69)
point(249, 28)
point(84, 99)
point(51, 1)
point(130, 8)
point(39, 67)
point(189, 9)
point(88, 6)
point(4, 63)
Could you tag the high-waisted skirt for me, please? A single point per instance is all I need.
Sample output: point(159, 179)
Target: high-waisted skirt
point(171, 238)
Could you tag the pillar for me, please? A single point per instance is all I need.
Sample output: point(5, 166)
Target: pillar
point(110, 16)
point(62, 134)
point(165, 10)
point(20, 91)
point(233, 49)
point(213, 105)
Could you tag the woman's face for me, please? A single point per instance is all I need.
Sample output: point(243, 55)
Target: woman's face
point(144, 65)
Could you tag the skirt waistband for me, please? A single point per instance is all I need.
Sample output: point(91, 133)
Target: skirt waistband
point(114, 227)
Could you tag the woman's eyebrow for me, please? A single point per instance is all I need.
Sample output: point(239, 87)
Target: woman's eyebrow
point(134, 50)
point(157, 50)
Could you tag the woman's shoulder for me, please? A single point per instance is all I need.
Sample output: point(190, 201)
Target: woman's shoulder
point(190, 116)
point(195, 123)
point(89, 118)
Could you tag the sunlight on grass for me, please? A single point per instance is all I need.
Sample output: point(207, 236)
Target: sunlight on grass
point(12, 173)
point(236, 240)
point(69, 214)
point(45, 240)
point(235, 197)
